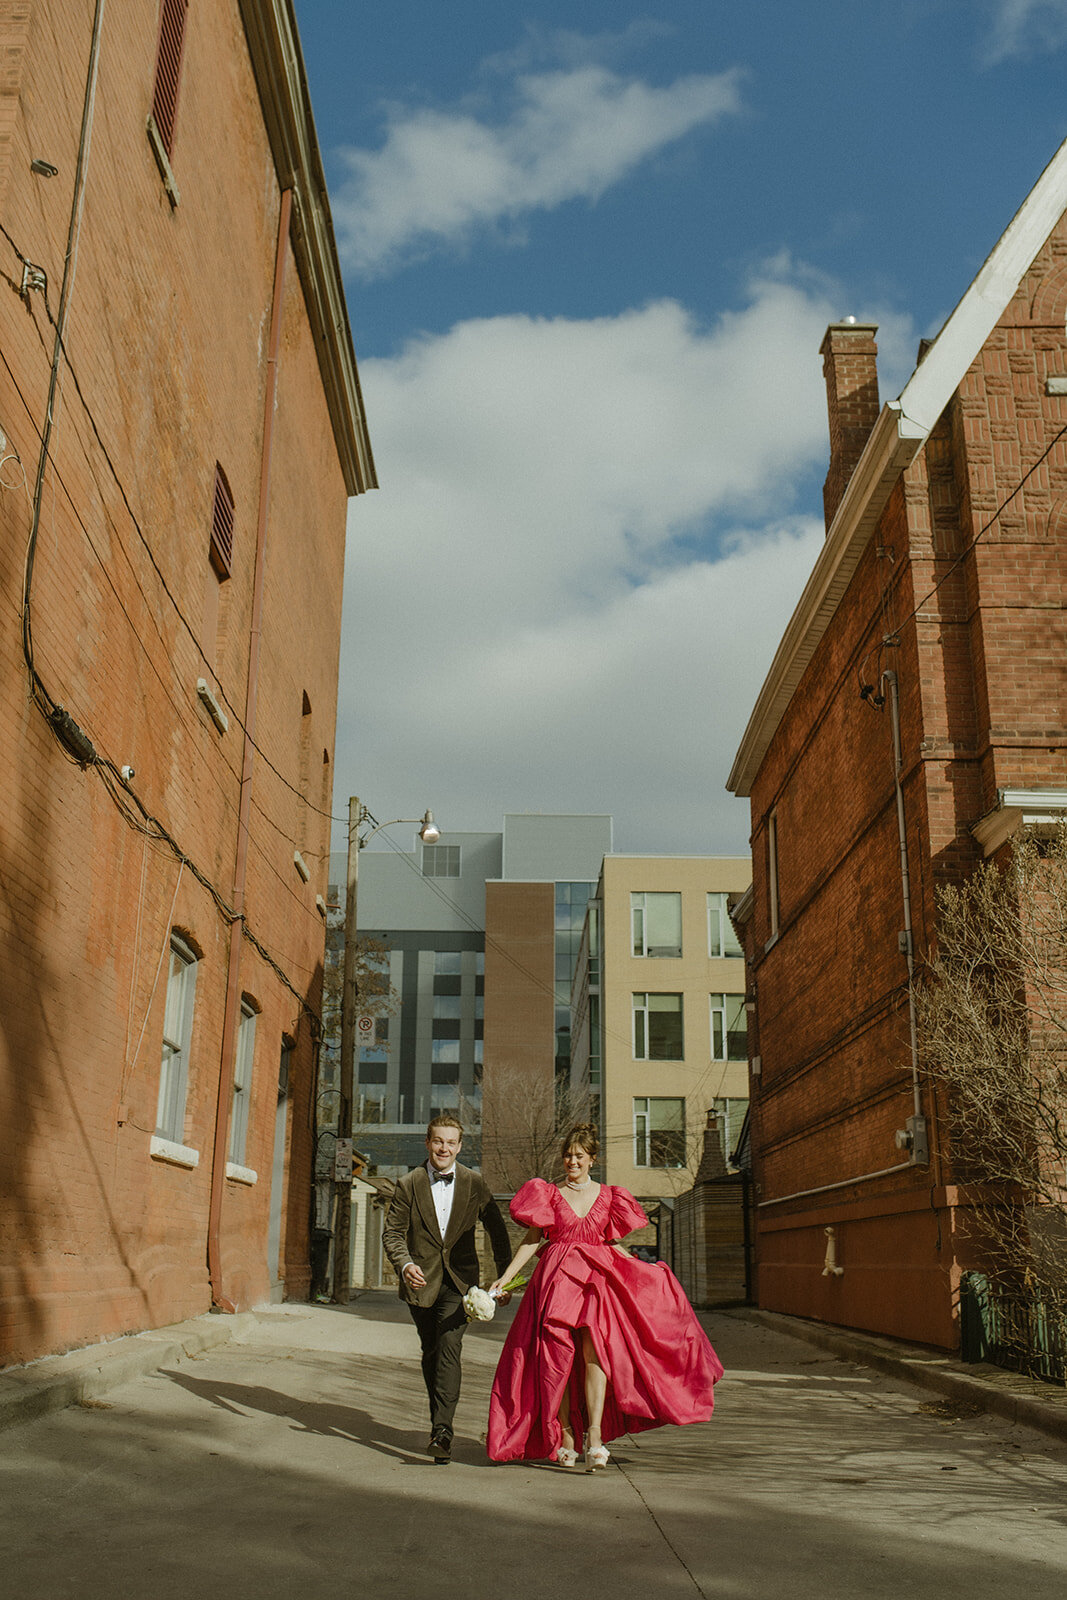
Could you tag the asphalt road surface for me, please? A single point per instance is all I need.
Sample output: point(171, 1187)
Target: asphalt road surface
point(291, 1464)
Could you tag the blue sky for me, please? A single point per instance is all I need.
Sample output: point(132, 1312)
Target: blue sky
point(590, 251)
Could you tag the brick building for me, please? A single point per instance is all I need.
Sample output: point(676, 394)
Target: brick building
point(913, 716)
point(182, 429)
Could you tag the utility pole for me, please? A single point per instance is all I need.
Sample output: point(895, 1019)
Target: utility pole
point(349, 998)
point(429, 833)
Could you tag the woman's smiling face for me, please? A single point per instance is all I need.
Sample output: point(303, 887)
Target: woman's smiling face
point(576, 1163)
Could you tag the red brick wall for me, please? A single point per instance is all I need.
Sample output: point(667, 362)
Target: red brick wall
point(982, 696)
point(520, 1023)
point(168, 329)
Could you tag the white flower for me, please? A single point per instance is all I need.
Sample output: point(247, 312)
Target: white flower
point(479, 1305)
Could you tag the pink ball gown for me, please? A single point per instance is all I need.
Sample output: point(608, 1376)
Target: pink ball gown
point(659, 1361)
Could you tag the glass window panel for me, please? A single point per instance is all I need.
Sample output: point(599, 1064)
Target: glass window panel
point(722, 940)
point(663, 925)
point(177, 1032)
point(447, 961)
point(447, 1005)
point(729, 1027)
point(657, 924)
point(658, 1032)
point(242, 1084)
point(659, 1132)
point(440, 860)
point(444, 1050)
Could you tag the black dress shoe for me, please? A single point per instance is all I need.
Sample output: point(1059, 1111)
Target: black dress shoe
point(440, 1446)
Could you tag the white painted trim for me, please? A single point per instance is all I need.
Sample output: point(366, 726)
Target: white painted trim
point(1019, 808)
point(897, 436)
point(936, 379)
point(179, 1155)
point(214, 708)
point(241, 1174)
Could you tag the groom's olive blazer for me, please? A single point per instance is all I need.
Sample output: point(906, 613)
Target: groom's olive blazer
point(411, 1233)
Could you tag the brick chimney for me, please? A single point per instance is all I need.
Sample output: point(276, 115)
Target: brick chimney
point(850, 366)
point(713, 1160)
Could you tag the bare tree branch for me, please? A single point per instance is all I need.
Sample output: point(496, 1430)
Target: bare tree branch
point(992, 1009)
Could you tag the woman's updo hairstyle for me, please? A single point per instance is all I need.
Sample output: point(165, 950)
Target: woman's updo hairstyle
point(585, 1136)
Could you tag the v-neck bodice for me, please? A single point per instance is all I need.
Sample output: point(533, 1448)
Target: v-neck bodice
point(571, 1225)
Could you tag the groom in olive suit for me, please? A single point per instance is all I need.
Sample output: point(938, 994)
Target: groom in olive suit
point(429, 1238)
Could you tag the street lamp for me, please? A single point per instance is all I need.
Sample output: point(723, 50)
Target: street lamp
point(429, 833)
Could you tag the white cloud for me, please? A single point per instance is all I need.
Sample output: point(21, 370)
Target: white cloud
point(569, 588)
point(442, 175)
point(1024, 28)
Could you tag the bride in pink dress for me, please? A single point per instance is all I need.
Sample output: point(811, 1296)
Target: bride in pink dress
point(602, 1344)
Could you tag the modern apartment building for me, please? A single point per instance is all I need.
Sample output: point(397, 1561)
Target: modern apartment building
point(480, 934)
point(659, 1027)
point(534, 918)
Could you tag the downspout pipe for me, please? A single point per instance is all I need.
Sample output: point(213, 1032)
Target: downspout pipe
point(916, 1123)
point(231, 1015)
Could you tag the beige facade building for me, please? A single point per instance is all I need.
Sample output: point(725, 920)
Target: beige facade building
point(659, 1014)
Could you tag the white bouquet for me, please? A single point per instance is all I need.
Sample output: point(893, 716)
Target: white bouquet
point(479, 1305)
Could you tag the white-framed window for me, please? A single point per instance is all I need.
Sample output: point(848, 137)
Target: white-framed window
point(659, 1132)
point(440, 860)
point(656, 922)
point(242, 1083)
point(772, 872)
point(732, 1118)
point(729, 1028)
point(722, 940)
point(177, 1034)
point(658, 1032)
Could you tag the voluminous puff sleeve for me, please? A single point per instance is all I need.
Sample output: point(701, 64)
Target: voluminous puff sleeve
point(624, 1214)
point(533, 1206)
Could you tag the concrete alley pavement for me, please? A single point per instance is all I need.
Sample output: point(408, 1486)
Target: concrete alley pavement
point(289, 1462)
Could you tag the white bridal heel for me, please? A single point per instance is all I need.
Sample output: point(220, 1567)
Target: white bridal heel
point(597, 1458)
point(565, 1457)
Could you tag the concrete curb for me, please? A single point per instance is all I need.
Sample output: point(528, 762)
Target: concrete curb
point(1006, 1394)
point(81, 1376)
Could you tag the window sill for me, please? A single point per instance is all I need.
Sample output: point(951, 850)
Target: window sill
point(214, 709)
point(177, 1155)
point(241, 1174)
point(166, 171)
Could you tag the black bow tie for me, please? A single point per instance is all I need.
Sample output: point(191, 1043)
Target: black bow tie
point(442, 1177)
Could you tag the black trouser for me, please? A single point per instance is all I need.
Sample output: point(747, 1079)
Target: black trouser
point(441, 1328)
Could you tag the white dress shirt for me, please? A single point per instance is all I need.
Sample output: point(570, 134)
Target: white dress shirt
point(443, 1195)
